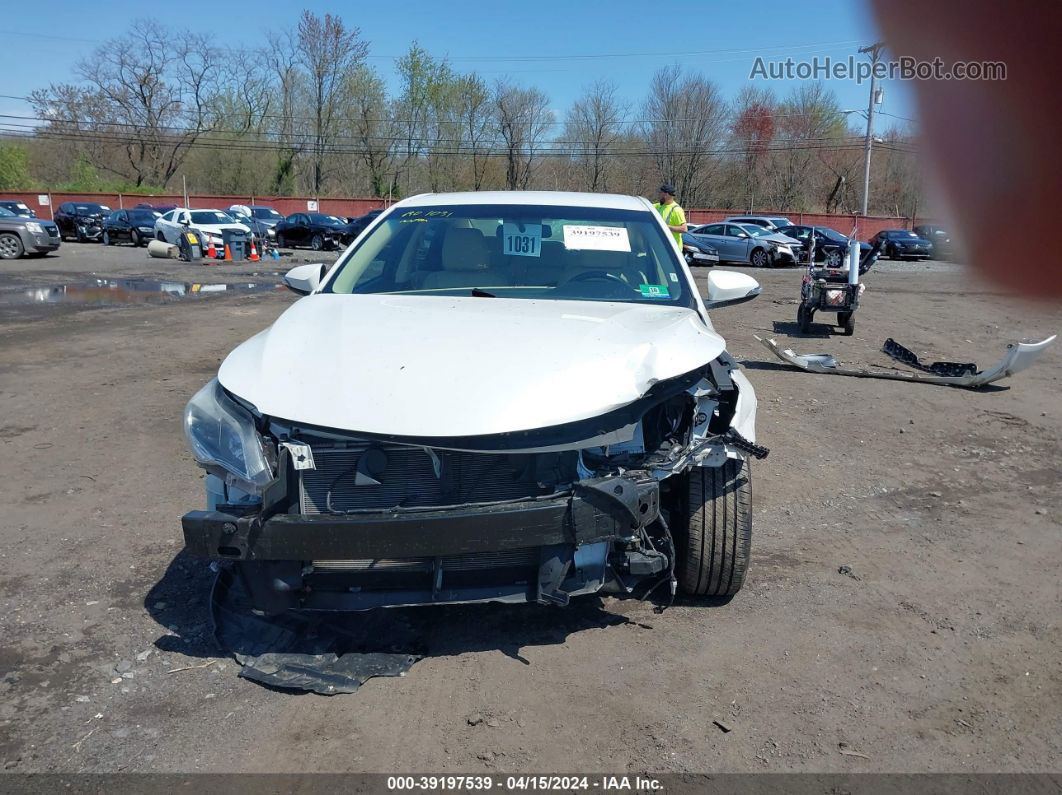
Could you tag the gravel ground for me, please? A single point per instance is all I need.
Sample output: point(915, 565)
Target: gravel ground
point(901, 612)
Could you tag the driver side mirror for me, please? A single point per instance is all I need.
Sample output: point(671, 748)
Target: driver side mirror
point(726, 288)
point(304, 279)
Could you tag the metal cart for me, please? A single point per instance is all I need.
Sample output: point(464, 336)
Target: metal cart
point(834, 290)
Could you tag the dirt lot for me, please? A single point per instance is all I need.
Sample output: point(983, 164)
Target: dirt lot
point(938, 648)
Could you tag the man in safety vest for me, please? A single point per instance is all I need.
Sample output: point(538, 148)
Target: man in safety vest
point(672, 214)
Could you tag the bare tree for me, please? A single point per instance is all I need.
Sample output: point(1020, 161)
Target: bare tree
point(282, 57)
point(146, 95)
point(329, 52)
point(685, 123)
point(751, 134)
point(523, 118)
point(594, 127)
point(474, 110)
point(809, 123)
point(372, 131)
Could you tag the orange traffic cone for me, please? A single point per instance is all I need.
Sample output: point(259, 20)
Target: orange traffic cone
point(254, 252)
point(228, 254)
point(211, 252)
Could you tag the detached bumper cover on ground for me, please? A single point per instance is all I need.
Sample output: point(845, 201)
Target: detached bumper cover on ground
point(1019, 356)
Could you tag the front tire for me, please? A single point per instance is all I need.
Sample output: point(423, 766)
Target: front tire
point(713, 538)
point(106, 238)
point(134, 238)
point(11, 246)
point(759, 258)
point(317, 243)
point(160, 236)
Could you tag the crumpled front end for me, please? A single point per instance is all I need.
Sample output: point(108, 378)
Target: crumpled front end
point(353, 522)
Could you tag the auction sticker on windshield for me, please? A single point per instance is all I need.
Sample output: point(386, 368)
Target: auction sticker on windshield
point(522, 240)
point(654, 290)
point(596, 238)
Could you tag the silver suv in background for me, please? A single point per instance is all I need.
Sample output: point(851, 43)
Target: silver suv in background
point(20, 236)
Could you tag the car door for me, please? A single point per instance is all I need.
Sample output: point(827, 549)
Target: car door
point(739, 242)
point(125, 230)
point(714, 234)
point(297, 232)
point(110, 226)
point(62, 219)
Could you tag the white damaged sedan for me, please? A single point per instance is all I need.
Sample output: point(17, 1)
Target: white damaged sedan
point(511, 396)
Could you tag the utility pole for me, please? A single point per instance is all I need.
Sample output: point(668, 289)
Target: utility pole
point(874, 50)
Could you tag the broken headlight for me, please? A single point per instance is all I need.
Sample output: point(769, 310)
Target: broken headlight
point(223, 437)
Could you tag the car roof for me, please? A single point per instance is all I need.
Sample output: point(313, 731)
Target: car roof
point(610, 201)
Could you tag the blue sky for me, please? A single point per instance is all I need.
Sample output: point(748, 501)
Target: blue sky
point(542, 43)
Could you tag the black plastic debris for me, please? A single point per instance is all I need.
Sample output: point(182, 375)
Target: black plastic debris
point(910, 358)
point(317, 652)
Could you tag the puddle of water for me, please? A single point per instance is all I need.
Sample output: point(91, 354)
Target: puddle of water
point(126, 291)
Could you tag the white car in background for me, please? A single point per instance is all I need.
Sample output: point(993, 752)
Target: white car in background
point(210, 223)
point(497, 396)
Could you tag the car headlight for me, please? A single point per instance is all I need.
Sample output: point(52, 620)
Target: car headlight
point(222, 436)
point(35, 228)
point(146, 228)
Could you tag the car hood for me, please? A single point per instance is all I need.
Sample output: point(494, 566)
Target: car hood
point(785, 240)
point(435, 366)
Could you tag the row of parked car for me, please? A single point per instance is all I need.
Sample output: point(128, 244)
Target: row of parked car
point(758, 240)
point(772, 240)
point(21, 232)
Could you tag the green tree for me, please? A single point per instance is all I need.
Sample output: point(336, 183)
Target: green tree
point(14, 167)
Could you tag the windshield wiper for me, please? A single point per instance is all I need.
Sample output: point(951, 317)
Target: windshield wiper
point(477, 293)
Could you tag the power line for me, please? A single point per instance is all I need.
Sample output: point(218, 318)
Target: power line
point(546, 150)
point(304, 138)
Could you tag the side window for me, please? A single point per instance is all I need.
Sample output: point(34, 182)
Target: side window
point(65, 207)
point(712, 229)
point(733, 230)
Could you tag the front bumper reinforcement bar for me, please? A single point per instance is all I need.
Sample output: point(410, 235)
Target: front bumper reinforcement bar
point(580, 518)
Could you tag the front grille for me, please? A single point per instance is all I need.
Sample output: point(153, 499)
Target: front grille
point(412, 477)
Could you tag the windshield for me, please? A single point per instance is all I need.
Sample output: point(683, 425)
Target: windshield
point(266, 212)
point(517, 251)
point(211, 217)
point(756, 231)
point(832, 234)
point(324, 220)
point(143, 216)
point(89, 208)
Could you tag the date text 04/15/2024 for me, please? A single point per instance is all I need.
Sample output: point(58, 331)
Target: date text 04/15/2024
point(523, 783)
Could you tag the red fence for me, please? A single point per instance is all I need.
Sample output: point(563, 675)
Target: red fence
point(286, 205)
